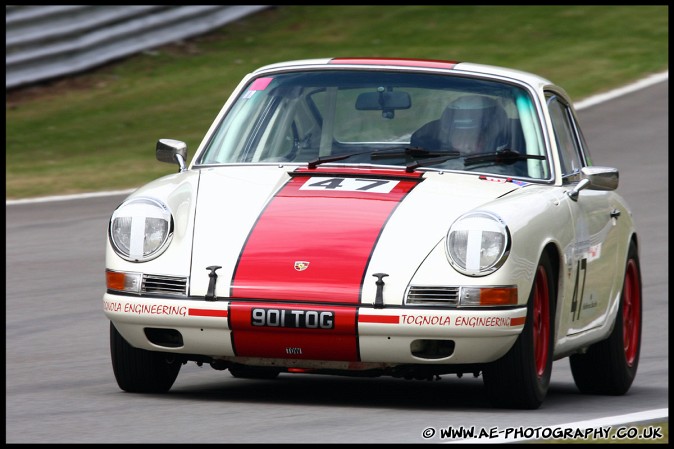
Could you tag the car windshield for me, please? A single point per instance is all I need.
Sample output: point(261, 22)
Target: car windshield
point(392, 118)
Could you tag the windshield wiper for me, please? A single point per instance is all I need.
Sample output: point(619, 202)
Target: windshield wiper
point(505, 156)
point(409, 168)
point(321, 160)
point(409, 151)
point(379, 154)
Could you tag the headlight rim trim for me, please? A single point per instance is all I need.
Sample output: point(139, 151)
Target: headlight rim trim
point(505, 252)
point(161, 248)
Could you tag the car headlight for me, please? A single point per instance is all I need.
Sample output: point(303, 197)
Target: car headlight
point(141, 229)
point(477, 243)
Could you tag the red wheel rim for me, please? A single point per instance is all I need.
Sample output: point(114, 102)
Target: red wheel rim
point(631, 299)
point(541, 321)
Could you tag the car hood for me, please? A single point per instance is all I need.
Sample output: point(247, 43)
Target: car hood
point(320, 235)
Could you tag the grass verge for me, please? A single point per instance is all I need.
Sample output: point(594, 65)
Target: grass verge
point(97, 131)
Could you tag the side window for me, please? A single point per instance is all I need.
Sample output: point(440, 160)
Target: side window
point(569, 149)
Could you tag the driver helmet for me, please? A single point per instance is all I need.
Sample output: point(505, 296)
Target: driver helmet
point(472, 123)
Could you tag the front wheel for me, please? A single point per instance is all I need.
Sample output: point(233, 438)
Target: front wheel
point(609, 367)
point(140, 371)
point(520, 379)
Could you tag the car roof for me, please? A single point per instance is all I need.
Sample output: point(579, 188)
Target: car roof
point(458, 66)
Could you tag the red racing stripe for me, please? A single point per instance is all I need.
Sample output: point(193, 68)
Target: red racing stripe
point(207, 312)
point(314, 239)
point(382, 319)
point(430, 63)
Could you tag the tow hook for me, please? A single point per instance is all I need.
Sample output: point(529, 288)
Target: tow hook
point(210, 294)
point(379, 298)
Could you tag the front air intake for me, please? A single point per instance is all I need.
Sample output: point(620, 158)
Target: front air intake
point(432, 349)
point(165, 285)
point(433, 295)
point(169, 338)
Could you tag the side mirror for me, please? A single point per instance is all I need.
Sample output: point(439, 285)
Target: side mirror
point(596, 178)
point(601, 178)
point(172, 151)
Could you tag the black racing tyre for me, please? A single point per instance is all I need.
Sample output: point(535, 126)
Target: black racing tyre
point(520, 379)
point(253, 372)
point(609, 366)
point(141, 371)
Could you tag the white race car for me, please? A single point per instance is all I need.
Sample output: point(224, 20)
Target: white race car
point(379, 216)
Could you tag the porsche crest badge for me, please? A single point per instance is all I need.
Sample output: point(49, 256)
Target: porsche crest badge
point(301, 265)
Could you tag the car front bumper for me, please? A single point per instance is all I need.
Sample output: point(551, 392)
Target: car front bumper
point(301, 334)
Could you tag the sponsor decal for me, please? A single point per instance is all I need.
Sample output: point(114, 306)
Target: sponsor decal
point(258, 84)
point(160, 309)
point(427, 320)
point(494, 179)
point(439, 320)
point(144, 309)
point(594, 252)
point(592, 304)
point(487, 321)
point(261, 83)
point(503, 180)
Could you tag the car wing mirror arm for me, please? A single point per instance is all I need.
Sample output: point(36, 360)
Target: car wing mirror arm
point(582, 184)
point(181, 162)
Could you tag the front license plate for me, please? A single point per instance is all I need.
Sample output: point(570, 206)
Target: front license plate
point(300, 319)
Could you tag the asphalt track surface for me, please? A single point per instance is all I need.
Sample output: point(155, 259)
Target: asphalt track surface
point(59, 382)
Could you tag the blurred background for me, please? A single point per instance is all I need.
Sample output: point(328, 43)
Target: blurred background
point(90, 89)
point(48, 41)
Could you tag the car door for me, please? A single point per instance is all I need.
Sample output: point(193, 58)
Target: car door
point(590, 258)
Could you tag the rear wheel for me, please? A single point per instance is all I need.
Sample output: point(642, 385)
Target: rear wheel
point(520, 379)
point(609, 367)
point(141, 371)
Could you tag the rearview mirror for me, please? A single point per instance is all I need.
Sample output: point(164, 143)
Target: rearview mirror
point(383, 100)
